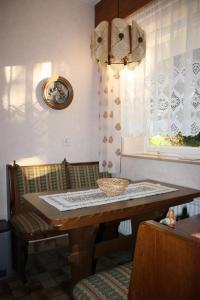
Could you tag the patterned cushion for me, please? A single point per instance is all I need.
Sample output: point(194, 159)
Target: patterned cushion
point(109, 285)
point(85, 175)
point(29, 223)
point(32, 179)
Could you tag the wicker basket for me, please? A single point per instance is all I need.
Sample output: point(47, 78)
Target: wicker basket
point(112, 186)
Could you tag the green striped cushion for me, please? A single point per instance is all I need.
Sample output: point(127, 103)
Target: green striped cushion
point(34, 179)
point(108, 285)
point(85, 175)
point(29, 223)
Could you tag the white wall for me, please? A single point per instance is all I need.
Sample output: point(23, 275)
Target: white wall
point(172, 172)
point(39, 39)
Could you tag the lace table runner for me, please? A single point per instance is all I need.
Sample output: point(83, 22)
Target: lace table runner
point(93, 197)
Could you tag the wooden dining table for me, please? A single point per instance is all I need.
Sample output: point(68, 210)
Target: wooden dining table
point(83, 223)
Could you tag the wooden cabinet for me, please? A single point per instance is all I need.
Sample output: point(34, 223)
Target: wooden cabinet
point(109, 9)
point(127, 7)
point(106, 10)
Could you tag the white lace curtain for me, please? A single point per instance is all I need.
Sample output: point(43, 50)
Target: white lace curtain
point(163, 93)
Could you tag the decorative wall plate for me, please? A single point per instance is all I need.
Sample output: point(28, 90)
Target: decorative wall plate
point(57, 92)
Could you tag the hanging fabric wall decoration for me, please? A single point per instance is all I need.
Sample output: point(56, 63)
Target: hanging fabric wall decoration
point(110, 122)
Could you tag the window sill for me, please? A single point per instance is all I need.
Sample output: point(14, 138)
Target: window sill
point(162, 157)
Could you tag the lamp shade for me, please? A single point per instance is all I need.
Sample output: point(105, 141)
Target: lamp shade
point(138, 43)
point(127, 45)
point(120, 41)
point(99, 43)
point(117, 67)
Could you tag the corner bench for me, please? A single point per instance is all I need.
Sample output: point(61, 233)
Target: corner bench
point(26, 224)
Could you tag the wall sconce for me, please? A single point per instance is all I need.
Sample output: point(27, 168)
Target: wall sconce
point(124, 46)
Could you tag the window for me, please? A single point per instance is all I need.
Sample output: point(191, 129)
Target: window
point(188, 146)
point(161, 98)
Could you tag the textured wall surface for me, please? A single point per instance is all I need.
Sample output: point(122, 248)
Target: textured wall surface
point(166, 171)
point(40, 39)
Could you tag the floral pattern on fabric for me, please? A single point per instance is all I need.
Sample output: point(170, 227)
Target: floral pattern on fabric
point(110, 121)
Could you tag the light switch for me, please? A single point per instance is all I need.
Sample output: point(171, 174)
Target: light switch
point(67, 141)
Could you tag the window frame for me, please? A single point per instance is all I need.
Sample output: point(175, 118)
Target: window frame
point(134, 146)
point(181, 151)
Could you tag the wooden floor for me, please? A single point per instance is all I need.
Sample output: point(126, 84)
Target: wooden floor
point(47, 273)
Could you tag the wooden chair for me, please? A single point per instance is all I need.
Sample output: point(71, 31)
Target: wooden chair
point(28, 226)
point(166, 266)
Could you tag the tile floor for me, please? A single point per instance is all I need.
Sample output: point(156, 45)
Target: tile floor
point(47, 274)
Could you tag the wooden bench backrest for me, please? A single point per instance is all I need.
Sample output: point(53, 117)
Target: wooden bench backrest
point(84, 174)
point(166, 264)
point(49, 177)
point(33, 179)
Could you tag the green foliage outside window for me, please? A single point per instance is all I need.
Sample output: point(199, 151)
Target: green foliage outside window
point(178, 140)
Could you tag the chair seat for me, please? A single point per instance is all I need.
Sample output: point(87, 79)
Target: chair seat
point(112, 284)
point(29, 223)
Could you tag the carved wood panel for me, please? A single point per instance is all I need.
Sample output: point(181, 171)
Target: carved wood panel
point(109, 9)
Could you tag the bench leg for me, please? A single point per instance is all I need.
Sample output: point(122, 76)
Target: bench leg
point(20, 255)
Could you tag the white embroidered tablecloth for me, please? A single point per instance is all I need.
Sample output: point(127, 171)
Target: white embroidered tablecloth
point(93, 197)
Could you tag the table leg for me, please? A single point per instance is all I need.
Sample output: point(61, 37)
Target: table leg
point(82, 244)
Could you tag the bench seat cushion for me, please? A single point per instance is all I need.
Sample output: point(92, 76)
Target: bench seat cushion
point(107, 285)
point(29, 223)
point(85, 175)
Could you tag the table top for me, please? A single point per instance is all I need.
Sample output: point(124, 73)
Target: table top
point(65, 220)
